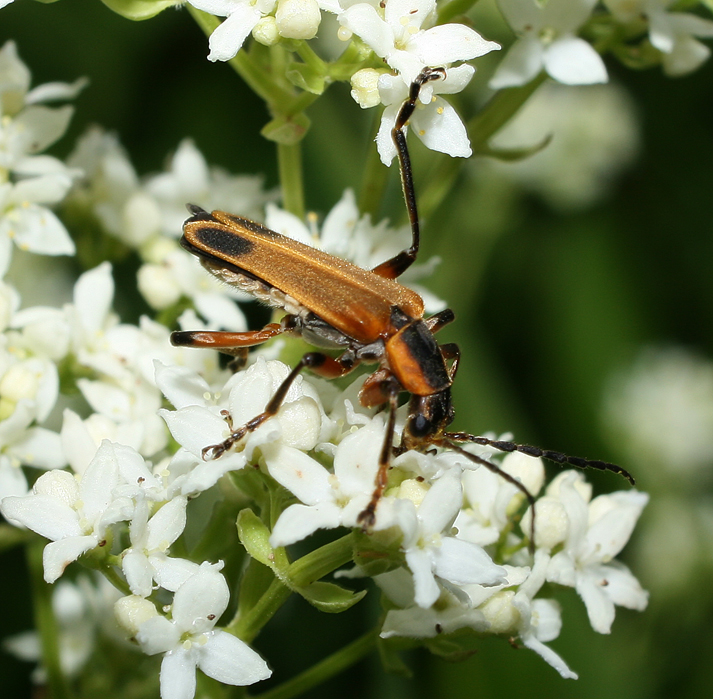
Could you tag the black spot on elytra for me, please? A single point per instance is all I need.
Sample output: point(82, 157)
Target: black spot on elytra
point(221, 242)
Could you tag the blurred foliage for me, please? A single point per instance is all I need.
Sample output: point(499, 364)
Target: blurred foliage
point(549, 306)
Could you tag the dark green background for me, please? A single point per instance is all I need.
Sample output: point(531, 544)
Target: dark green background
point(548, 307)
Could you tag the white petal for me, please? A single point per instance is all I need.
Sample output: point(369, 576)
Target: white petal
point(440, 128)
point(521, 14)
point(46, 515)
point(566, 15)
point(158, 635)
point(167, 524)
point(228, 37)
point(227, 659)
point(138, 572)
point(463, 563)
point(49, 92)
point(299, 473)
point(425, 585)
point(297, 522)
point(203, 595)
point(181, 385)
point(178, 675)
point(77, 444)
point(59, 554)
point(448, 43)
point(171, 573)
point(441, 504)
point(549, 656)
point(520, 64)
point(357, 459)
point(101, 476)
point(37, 229)
point(591, 587)
point(623, 588)
point(285, 223)
point(365, 22)
point(573, 61)
point(40, 448)
point(93, 295)
point(195, 427)
point(687, 55)
point(220, 311)
point(384, 143)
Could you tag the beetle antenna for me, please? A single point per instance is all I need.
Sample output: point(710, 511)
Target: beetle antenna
point(556, 456)
point(503, 474)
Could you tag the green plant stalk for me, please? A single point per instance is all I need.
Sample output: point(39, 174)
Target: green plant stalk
point(315, 565)
point(323, 670)
point(258, 80)
point(375, 177)
point(57, 684)
point(289, 161)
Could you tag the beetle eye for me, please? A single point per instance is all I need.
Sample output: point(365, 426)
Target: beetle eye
point(420, 425)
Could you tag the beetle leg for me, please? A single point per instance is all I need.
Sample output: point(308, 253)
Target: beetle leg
point(397, 265)
point(367, 517)
point(227, 342)
point(315, 361)
point(451, 351)
point(440, 320)
point(556, 456)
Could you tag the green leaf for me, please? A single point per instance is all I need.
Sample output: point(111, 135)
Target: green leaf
point(328, 597)
point(255, 537)
point(306, 78)
point(140, 9)
point(511, 155)
point(286, 130)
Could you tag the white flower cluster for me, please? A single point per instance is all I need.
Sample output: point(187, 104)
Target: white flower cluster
point(449, 550)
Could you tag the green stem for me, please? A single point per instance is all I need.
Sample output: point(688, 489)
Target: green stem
point(323, 670)
point(247, 626)
point(289, 159)
point(257, 78)
point(46, 623)
point(322, 561)
point(481, 128)
point(374, 178)
point(307, 54)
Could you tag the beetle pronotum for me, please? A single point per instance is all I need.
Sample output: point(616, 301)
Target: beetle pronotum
point(366, 314)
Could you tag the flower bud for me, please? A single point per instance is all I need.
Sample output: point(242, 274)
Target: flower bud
point(19, 382)
point(365, 88)
point(265, 31)
point(158, 286)
point(551, 523)
point(298, 19)
point(500, 612)
point(132, 611)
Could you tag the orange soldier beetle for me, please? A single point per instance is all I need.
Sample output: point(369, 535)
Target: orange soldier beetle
point(368, 315)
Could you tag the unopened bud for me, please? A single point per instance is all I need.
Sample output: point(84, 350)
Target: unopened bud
point(365, 88)
point(298, 19)
point(265, 31)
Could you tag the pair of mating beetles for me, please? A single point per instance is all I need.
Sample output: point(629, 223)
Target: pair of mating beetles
point(366, 314)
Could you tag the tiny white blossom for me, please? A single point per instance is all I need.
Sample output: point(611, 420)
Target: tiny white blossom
point(74, 515)
point(399, 39)
point(672, 33)
point(189, 640)
point(241, 17)
point(434, 121)
point(547, 39)
point(598, 531)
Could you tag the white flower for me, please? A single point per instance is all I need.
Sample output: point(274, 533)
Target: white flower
point(146, 560)
point(73, 515)
point(241, 17)
point(434, 121)
point(547, 39)
point(432, 553)
point(672, 33)
point(597, 533)
point(189, 640)
point(399, 39)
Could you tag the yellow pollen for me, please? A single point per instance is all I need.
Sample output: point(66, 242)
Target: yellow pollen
point(421, 133)
point(440, 110)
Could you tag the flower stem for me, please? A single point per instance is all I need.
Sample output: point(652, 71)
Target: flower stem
point(258, 80)
point(289, 159)
point(374, 179)
point(453, 9)
point(322, 561)
point(323, 670)
point(46, 623)
point(248, 625)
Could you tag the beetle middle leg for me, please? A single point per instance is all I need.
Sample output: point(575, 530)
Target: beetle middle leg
point(317, 362)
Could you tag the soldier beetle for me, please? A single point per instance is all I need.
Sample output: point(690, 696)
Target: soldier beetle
point(366, 314)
